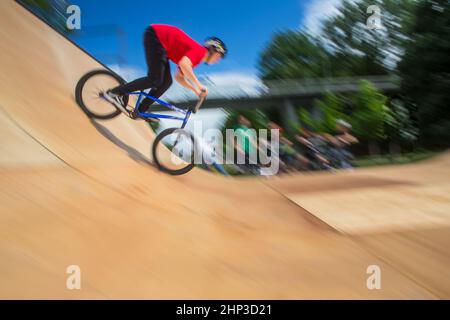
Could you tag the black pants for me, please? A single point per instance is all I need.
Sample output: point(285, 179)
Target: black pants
point(158, 77)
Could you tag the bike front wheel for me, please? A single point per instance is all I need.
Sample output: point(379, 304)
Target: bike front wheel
point(90, 89)
point(174, 151)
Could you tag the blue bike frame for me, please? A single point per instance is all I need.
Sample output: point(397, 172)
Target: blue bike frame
point(185, 112)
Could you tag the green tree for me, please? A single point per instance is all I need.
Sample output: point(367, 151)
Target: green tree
point(294, 55)
point(425, 72)
point(372, 120)
point(400, 129)
point(345, 45)
point(307, 120)
point(52, 11)
point(359, 50)
point(330, 109)
point(369, 115)
point(42, 4)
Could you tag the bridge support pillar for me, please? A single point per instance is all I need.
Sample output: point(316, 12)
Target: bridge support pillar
point(289, 116)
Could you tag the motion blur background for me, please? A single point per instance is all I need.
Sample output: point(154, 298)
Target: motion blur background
point(80, 191)
point(388, 83)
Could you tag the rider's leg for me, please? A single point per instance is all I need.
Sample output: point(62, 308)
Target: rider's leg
point(159, 91)
point(156, 57)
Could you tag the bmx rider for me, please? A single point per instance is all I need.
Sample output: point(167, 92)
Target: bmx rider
point(163, 43)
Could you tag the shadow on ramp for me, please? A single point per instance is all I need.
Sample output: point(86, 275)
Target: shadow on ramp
point(132, 152)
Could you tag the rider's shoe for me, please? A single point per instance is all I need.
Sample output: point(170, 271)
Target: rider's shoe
point(114, 99)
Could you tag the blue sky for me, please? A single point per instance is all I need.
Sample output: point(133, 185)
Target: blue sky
point(245, 25)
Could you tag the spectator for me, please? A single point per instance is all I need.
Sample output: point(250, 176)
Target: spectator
point(340, 143)
point(313, 147)
point(246, 144)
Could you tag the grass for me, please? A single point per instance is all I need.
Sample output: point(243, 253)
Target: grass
point(379, 160)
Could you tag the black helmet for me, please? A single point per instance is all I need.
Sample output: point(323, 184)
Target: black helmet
point(217, 45)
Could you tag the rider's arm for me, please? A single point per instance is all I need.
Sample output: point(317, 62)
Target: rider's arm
point(185, 65)
point(182, 80)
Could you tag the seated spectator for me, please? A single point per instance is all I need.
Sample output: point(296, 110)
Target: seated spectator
point(340, 145)
point(312, 146)
point(290, 159)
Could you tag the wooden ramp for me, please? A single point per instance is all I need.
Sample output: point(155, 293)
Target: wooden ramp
point(399, 213)
point(76, 192)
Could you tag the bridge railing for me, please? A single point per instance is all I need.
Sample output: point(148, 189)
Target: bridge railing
point(314, 86)
point(287, 88)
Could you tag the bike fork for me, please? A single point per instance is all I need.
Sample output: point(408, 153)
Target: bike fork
point(186, 118)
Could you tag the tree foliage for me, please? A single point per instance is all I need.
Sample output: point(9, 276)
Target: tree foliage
point(399, 125)
point(294, 55)
point(330, 109)
point(365, 51)
point(52, 11)
point(369, 113)
point(345, 45)
point(425, 71)
point(368, 116)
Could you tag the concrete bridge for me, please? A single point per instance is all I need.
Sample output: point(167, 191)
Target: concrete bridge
point(286, 95)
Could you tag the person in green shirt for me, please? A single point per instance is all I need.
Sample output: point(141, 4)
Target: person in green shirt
point(246, 137)
point(246, 143)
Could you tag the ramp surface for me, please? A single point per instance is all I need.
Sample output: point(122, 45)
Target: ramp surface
point(76, 192)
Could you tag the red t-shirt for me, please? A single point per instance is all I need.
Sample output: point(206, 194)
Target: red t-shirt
point(178, 44)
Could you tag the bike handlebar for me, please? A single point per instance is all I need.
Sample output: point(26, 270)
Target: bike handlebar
point(199, 104)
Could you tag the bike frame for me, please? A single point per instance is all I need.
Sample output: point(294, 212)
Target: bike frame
point(186, 112)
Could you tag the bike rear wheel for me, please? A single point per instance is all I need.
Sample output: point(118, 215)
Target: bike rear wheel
point(89, 90)
point(174, 151)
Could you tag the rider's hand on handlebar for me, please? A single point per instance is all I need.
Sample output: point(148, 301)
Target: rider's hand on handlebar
point(202, 92)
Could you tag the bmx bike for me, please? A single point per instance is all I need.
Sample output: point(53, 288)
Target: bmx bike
point(173, 150)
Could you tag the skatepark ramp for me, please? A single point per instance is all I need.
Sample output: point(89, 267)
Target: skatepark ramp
point(79, 192)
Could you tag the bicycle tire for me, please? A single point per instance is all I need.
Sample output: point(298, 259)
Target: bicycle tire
point(157, 161)
point(79, 94)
